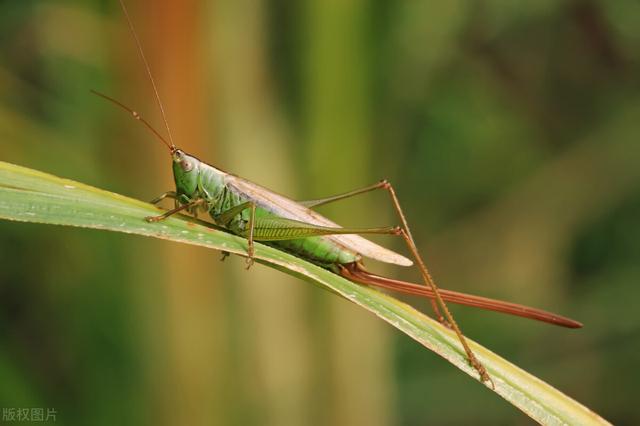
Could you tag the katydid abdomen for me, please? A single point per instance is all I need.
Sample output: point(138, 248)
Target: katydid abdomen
point(270, 229)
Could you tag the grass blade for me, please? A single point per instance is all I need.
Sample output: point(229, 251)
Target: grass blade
point(31, 196)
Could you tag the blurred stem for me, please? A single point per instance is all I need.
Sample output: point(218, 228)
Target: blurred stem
point(338, 120)
point(189, 385)
point(274, 351)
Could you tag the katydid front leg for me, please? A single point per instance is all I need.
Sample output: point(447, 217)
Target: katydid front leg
point(171, 212)
point(169, 194)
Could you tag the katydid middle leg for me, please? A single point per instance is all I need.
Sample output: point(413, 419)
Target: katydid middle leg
point(227, 216)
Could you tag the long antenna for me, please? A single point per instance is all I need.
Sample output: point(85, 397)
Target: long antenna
point(138, 117)
point(153, 83)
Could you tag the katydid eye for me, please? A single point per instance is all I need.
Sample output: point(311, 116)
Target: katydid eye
point(186, 165)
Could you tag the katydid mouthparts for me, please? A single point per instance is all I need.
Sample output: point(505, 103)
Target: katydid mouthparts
point(259, 214)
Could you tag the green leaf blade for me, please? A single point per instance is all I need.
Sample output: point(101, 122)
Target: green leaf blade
point(31, 196)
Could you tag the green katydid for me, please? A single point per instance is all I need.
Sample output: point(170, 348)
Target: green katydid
point(259, 214)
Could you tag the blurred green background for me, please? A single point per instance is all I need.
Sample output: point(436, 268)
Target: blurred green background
point(510, 130)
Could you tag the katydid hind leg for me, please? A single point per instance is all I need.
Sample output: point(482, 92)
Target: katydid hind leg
point(383, 184)
point(437, 303)
point(275, 228)
point(429, 281)
point(288, 229)
point(281, 229)
point(322, 201)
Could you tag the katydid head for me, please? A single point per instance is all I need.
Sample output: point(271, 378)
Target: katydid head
point(184, 160)
point(185, 172)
